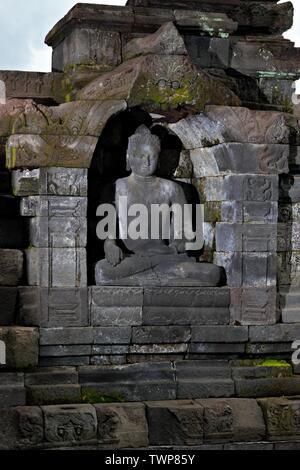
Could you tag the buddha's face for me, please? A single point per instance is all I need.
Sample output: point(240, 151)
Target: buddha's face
point(144, 163)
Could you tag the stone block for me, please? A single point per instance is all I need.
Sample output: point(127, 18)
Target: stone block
point(281, 417)
point(112, 335)
point(54, 206)
point(11, 267)
point(197, 349)
point(232, 420)
point(251, 126)
point(259, 371)
point(219, 334)
point(53, 307)
point(51, 376)
point(89, 46)
point(12, 390)
point(152, 349)
point(227, 158)
point(110, 349)
point(70, 425)
point(248, 212)
point(175, 423)
point(134, 382)
point(274, 333)
point(67, 361)
point(50, 182)
point(8, 305)
point(122, 425)
point(248, 269)
point(160, 334)
point(55, 232)
point(185, 316)
point(266, 387)
point(21, 346)
point(66, 336)
point(26, 85)
point(182, 296)
point(53, 394)
point(43, 151)
point(252, 188)
point(21, 428)
point(56, 267)
point(221, 26)
point(65, 351)
point(108, 360)
point(246, 237)
point(13, 234)
point(254, 306)
point(289, 268)
point(267, 349)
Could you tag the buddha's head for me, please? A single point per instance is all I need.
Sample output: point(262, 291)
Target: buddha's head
point(143, 152)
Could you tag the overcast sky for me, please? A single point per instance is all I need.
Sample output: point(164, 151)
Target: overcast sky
point(25, 23)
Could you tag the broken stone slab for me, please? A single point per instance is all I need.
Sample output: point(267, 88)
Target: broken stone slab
point(12, 390)
point(248, 269)
point(56, 267)
point(88, 46)
point(165, 41)
point(21, 428)
point(274, 334)
point(152, 82)
point(219, 334)
point(232, 420)
point(251, 126)
point(256, 188)
point(31, 151)
point(175, 423)
point(254, 306)
point(240, 158)
point(50, 182)
point(53, 232)
point(71, 425)
point(21, 346)
point(11, 267)
point(75, 119)
point(160, 334)
point(281, 416)
point(180, 316)
point(57, 307)
point(205, 23)
point(66, 336)
point(53, 206)
point(122, 425)
point(8, 305)
point(246, 212)
point(266, 387)
point(246, 237)
point(182, 296)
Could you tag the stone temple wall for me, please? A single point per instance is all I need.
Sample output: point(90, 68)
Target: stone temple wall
point(218, 76)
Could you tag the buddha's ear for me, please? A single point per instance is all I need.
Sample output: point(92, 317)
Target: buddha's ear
point(128, 167)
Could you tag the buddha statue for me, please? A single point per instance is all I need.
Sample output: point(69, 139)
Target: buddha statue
point(148, 260)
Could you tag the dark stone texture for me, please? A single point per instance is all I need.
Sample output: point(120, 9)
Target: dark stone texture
point(8, 305)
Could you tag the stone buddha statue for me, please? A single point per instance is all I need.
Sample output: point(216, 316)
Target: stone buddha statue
point(147, 259)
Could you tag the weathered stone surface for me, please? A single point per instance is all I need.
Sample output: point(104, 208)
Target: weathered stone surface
point(232, 420)
point(175, 423)
point(246, 237)
point(246, 212)
point(240, 158)
point(37, 85)
point(50, 232)
point(289, 268)
point(65, 336)
point(157, 334)
point(165, 41)
point(30, 151)
point(12, 391)
point(282, 417)
point(182, 296)
point(135, 382)
point(181, 316)
point(122, 425)
point(116, 316)
point(112, 335)
point(251, 126)
point(159, 84)
point(260, 349)
point(50, 181)
point(266, 387)
point(21, 428)
point(152, 349)
point(107, 349)
point(11, 267)
point(274, 333)
point(238, 188)
point(90, 46)
point(51, 376)
point(56, 267)
point(197, 349)
point(248, 269)
point(67, 361)
point(219, 334)
point(209, 52)
point(108, 360)
point(21, 346)
point(259, 371)
point(65, 351)
point(53, 206)
point(70, 425)
point(198, 131)
point(8, 304)
point(206, 23)
point(53, 394)
point(254, 306)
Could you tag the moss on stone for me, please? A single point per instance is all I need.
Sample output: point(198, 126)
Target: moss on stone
point(93, 396)
point(260, 363)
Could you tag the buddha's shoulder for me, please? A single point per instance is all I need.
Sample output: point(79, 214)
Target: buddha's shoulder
point(122, 184)
point(169, 185)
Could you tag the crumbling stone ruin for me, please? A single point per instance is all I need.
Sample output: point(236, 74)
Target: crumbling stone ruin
point(86, 366)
